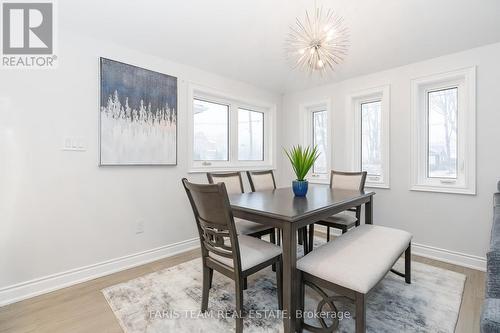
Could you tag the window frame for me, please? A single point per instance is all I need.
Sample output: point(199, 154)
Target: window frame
point(354, 104)
point(234, 103)
point(465, 82)
point(308, 110)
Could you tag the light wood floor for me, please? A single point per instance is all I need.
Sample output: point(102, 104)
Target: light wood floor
point(82, 308)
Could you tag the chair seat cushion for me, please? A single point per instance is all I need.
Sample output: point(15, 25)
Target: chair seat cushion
point(245, 227)
point(253, 251)
point(340, 219)
point(359, 259)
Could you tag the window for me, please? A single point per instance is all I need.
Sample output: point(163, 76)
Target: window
point(317, 133)
point(371, 150)
point(228, 133)
point(370, 116)
point(442, 108)
point(443, 138)
point(250, 135)
point(211, 131)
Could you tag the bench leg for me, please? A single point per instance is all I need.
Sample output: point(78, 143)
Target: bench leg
point(327, 234)
point(360, 313)
point(408, 264)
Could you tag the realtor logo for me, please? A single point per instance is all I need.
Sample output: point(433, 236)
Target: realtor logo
point(28, 29)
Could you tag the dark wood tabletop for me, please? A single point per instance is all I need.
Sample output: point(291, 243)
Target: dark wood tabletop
point(283, 204)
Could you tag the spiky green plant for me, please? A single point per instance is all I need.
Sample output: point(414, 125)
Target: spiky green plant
point(302, 159)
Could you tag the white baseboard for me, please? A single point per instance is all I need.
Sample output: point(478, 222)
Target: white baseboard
point(35, 287)
point(452, 257)
point(39, 286)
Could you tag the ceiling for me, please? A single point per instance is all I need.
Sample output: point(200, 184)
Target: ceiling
point(244, 39)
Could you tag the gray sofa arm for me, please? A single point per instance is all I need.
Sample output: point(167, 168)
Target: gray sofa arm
point(493, 274)
point(490, 316)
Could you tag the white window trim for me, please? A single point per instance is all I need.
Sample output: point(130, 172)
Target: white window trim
point(354, 101)
point(307, 110)
point(465, 80)
point(211, 95)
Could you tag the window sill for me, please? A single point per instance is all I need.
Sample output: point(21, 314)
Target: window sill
point(377, 185)
point(319, 181)
point(441, 189)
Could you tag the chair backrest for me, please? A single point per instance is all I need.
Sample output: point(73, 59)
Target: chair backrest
point(348, 180)
point(214, 220)
point(261, 180)
point(233, 181)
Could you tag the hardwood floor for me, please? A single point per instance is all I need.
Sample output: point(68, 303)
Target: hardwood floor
point(470, 310)
point(82, 308)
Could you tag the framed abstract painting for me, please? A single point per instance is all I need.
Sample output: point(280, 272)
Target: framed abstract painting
point(138, 116)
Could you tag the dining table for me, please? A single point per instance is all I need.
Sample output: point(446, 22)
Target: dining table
point(280, 208)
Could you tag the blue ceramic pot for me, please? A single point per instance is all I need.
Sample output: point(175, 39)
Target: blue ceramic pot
point(300, 187)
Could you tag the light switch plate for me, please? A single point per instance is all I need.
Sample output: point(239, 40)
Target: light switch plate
point(71, 143)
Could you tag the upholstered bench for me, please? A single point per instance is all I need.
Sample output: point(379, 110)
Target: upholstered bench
point(351, 266)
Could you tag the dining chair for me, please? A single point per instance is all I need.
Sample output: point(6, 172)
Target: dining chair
point(223, 250)
point(265, 181)
point(261, 180)
point(342, 221)
point(234, 184)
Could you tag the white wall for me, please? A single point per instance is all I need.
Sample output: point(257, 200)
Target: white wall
point(59, 211)
point(451, 223)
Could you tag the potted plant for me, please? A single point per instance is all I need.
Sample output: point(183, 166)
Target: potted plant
point(302, 160)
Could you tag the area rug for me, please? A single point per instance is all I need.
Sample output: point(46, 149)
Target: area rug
point(169, 301)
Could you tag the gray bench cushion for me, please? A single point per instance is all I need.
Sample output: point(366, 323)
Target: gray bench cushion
point(490, 316)
point(253, 251)
point(359, 259)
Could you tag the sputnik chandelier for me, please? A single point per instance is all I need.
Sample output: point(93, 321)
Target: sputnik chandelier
point(318, 43)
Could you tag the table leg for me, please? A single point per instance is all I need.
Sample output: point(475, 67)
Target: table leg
point(311, 237)
point(289, 276)
point(369, 211)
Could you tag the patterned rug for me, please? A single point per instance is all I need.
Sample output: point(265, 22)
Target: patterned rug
point(169, 301)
